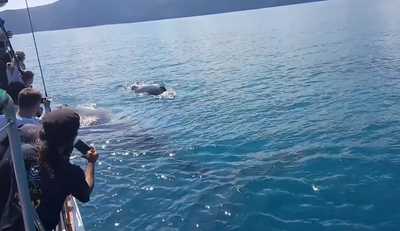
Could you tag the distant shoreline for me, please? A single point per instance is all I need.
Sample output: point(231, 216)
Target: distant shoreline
point(41, 24)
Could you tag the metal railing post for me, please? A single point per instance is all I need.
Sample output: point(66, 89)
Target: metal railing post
point(18, 162)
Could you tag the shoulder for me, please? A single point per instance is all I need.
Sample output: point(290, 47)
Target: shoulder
point(30, 152)
point(72, 175)
point(75, 171)
point(77, 184)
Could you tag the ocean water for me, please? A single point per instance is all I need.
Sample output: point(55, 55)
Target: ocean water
point(285, 118)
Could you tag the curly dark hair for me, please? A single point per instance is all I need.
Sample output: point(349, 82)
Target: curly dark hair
point(50, 156)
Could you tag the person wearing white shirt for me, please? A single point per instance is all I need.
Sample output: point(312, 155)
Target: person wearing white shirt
point(29, 101)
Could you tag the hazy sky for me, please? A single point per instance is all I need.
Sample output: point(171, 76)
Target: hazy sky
point(17, 4)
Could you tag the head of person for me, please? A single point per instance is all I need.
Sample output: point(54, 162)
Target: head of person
point(20, 55)
point(58, 133)
point(3, 2)
point(14, 89)
point(27, 77)
point(163, 89)
point(29, 101)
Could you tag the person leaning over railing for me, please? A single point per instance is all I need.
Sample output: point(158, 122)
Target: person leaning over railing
point(58, 177)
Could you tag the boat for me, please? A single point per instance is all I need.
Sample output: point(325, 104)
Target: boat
point(70, 216)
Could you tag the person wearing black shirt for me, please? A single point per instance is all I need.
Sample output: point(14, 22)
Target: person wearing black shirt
point(58, 177)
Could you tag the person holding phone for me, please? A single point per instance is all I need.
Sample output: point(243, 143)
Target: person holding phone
point(58, 177)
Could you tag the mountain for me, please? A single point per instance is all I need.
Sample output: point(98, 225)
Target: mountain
point(65, 14)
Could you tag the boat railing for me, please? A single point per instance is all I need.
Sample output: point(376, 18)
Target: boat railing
point(70, 217)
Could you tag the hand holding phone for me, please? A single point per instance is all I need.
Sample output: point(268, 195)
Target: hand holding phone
point(92, 155)
point(82, 147)
point(87, 151)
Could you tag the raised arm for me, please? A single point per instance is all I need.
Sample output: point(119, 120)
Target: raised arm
point(92, 157)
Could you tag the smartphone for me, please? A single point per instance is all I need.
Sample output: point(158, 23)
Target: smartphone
point(82, 147)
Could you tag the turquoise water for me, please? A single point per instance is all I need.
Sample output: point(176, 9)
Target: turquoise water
point(285, 118)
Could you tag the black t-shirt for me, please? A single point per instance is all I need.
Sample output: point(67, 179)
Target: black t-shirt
point(55, 187)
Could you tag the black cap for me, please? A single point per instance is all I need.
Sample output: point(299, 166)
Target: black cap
point(60, 125)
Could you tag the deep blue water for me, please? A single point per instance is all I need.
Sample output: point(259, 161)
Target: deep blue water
point(285, 118)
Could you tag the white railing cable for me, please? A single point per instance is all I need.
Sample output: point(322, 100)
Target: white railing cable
point(36, 47)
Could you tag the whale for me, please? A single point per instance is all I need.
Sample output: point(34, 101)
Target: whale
point(92, 116)
point(149, 89)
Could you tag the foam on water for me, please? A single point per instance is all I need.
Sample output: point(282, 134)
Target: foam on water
point(92, 116)
point(169, 94)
